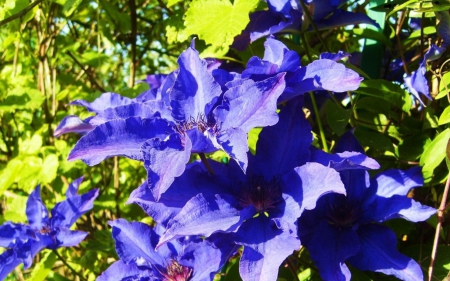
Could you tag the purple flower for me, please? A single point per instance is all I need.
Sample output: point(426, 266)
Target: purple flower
point(287, 15)
point(347, 229)
point(202, 119)
point(417, 82)
point(258, 209)
point(23, 242)
point(179, 260)
point(322, 74)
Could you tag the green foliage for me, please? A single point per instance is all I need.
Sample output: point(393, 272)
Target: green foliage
point(218, 21)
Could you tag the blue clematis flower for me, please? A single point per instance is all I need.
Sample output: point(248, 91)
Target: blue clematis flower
point(23, 242)
point(417, 82)
point(288, 15)
point(259, 209)
point(322, 74)
point(193, 115)
point(185, 259)
point(348, 229)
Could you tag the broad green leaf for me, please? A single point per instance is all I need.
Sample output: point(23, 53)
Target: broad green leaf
point(173, 2)
point(30, 146)
point(44, 267)
point(175, 29)
point(16, 210)
point(217, 22)
point(429, 30)
point(337, 117)
point(444, 86)
point(49, 169)
point(411, 148)
point(447, 154)
point(371, 34)
point(374, 140)
point(22, 98)
point(434, 154)
point(445, 116)
point(70, 6)
point(253, 139)
point(386, 90)
point(9, 174)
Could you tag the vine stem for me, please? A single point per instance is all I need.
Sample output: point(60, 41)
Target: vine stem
point(68, 266)
point(319, 122)
point(206, 163)
point(440, 215)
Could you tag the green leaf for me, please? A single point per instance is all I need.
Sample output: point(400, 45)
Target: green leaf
point(70, 6)
point(175, 29)
point(253, 139)
point(434, 154)
point(411, 148)
point(445, 116)
point(217, 22)
point(447, 154)
point(30, 146)
point(22, 98)
point(50, 167)
point(16, 209)
point(371, 34)
point(44, 267)
point(386, 90)
point(444, 86)
point(337, 117)
point(172, 2)
point(9, 174)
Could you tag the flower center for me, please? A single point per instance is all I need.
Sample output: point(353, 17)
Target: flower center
point(177, 272)
point(262, 194)
point(201, 122)
point(343, 215)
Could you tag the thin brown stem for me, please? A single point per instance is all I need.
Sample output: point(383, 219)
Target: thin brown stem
point(132, 5)
point(90, 77)
point(21, 13)
point(440, 215)
point(206, 163)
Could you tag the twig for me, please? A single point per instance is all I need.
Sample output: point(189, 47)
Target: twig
point(132, 5)
point(440, 215)
point(68, 266)
point(93, 81)
point(21, 13)
point(206, 163)
point(399, 43)
point(308, 15)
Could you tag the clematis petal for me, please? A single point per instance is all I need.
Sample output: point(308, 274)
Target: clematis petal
point(330, 247)
point(334, 56)
point(285, 145)
point(37, 213)
point(205, 215)
point(72, 124)
point(344, 18)
point(322, 74)
point(142, 110)
point(205, 258)
point(165, 160)
point(443, 26)
point(65, 213)
point(106, 100)
point(398, 206)
point(234, 142)
point(68, 238)
point(344, 161)
point(119, 271)
point(195, 92)
point(393, 181)
point(118, 138)
point(348, 142)
point(11, 232)
point(310, 181)
point(8, 261)
point(256, 101)
point(135, 242)
point(193, 181)
point(265, 248)
point(379, 253)
point(72, 190)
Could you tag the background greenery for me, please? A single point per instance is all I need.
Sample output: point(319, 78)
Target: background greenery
point(56, 51)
